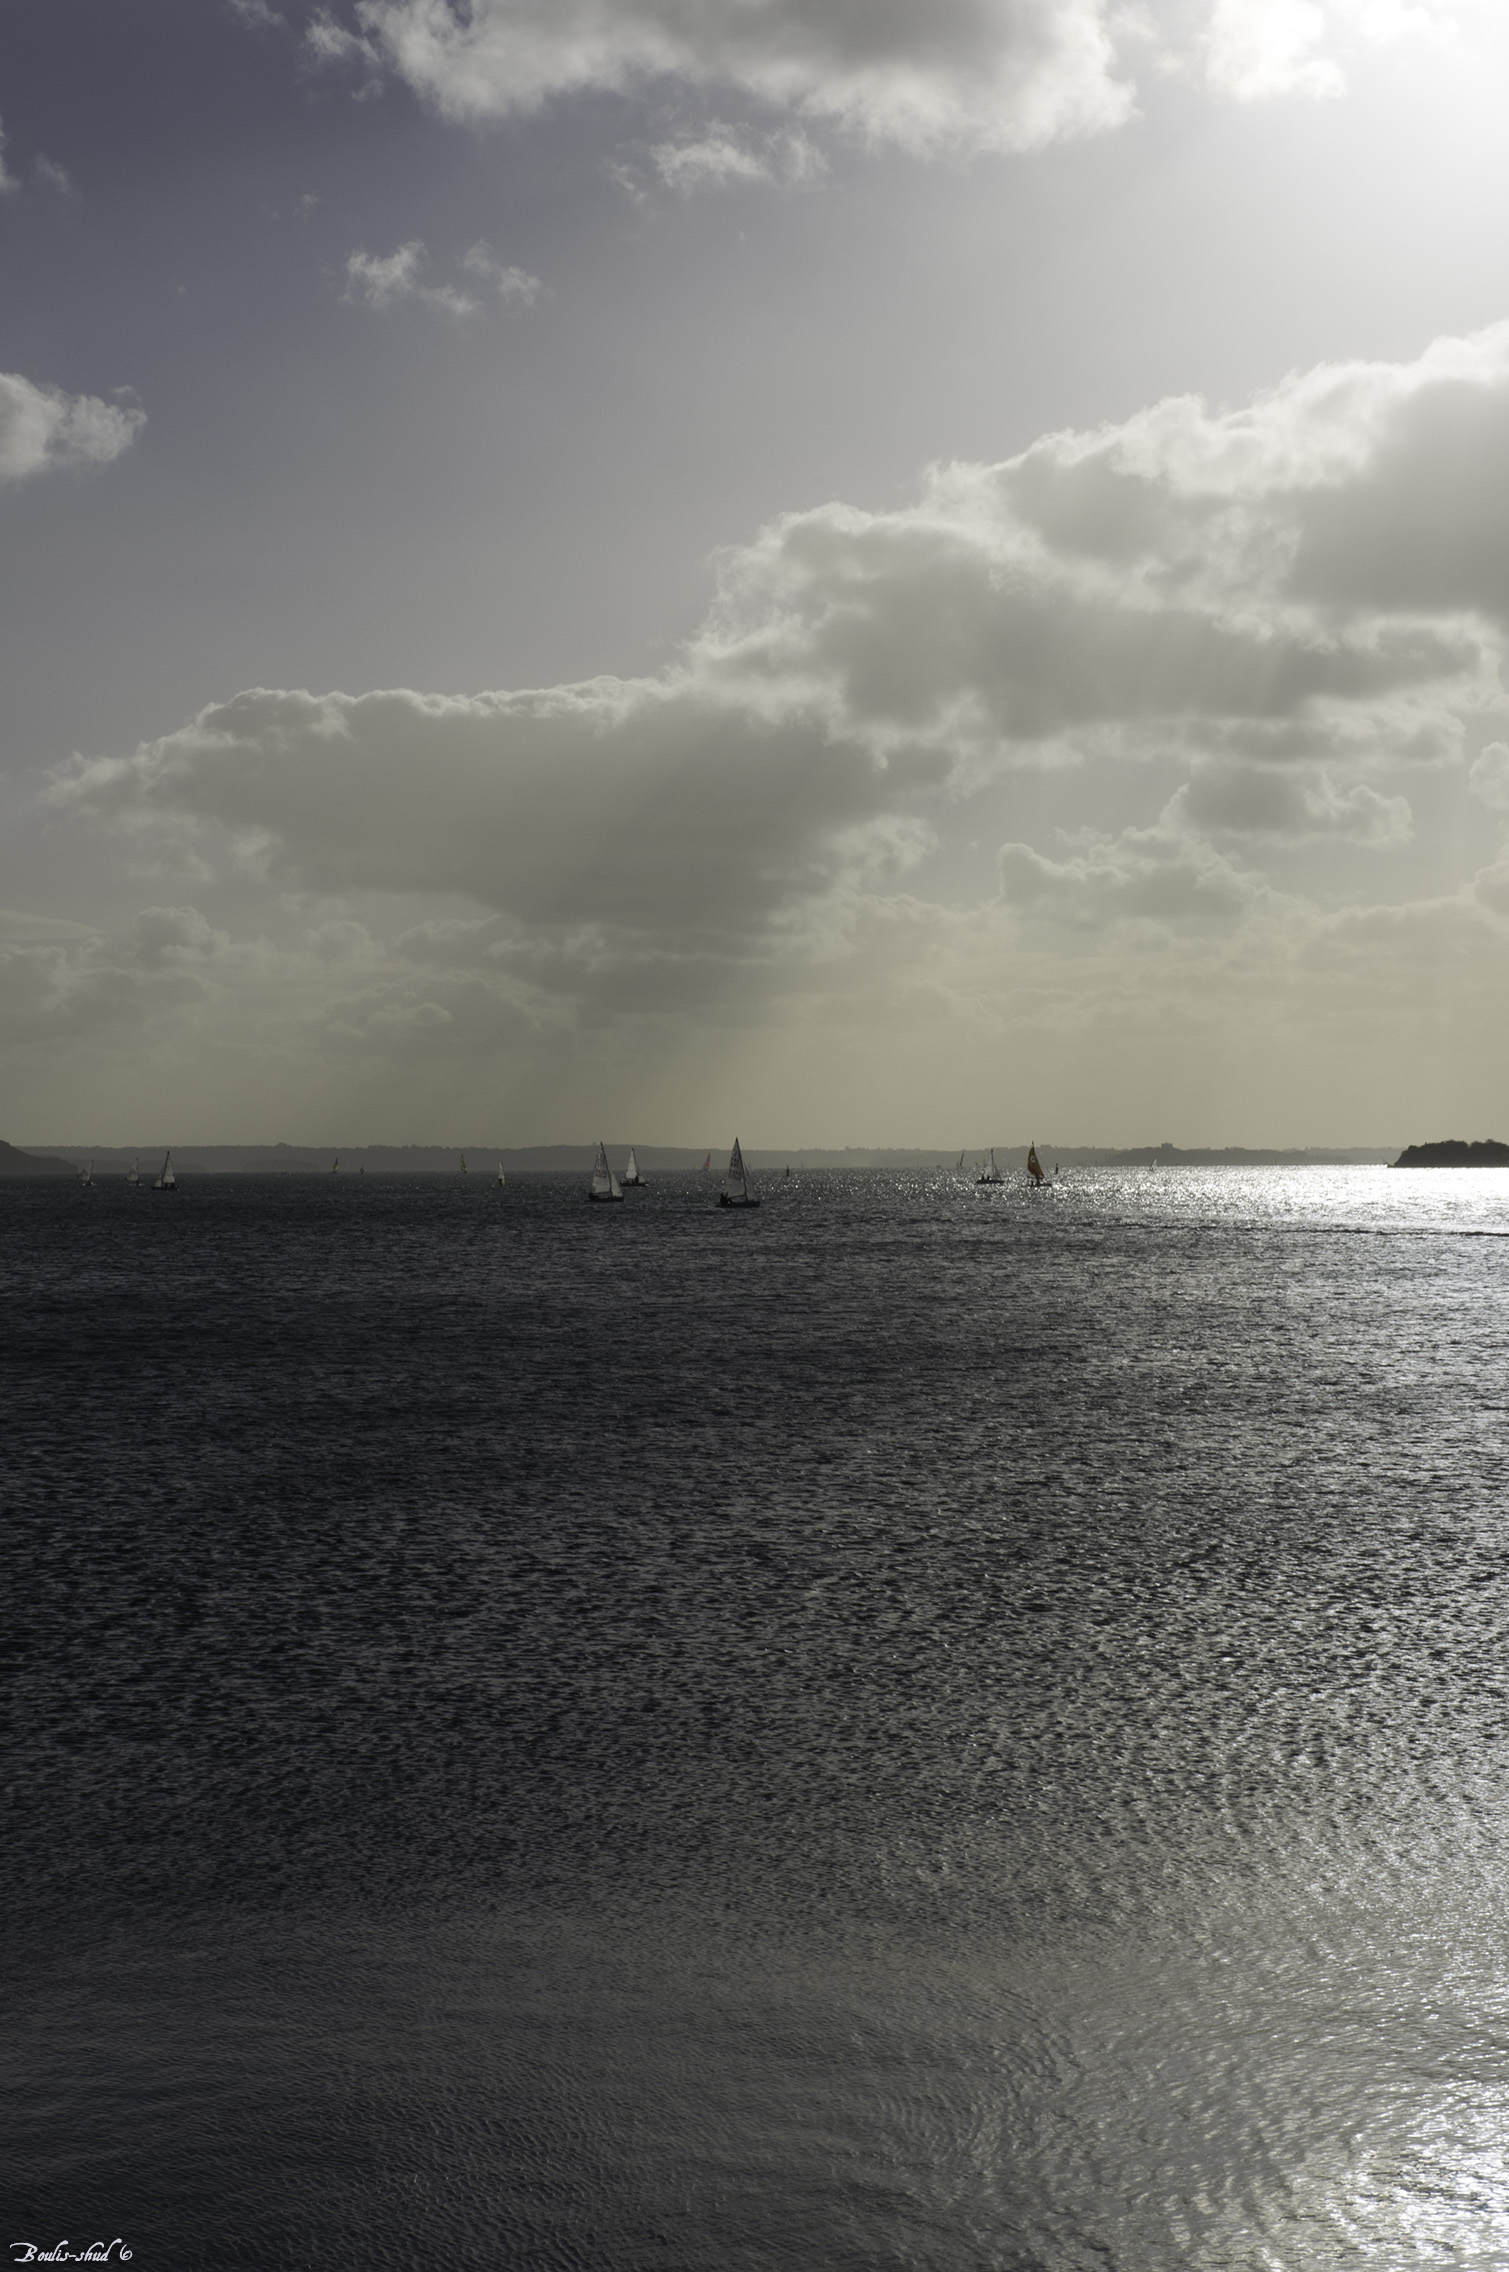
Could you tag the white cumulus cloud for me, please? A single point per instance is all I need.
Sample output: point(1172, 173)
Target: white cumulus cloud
point(42, 429)
point(515, 287)
point(1289, 605)
point(724, 157)
point(1254, 49)
point(385, 280)
point(956, 74)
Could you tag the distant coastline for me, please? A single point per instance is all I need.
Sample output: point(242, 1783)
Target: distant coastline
point(575, 1159)
point(13, 1162)
point(1455, 1152)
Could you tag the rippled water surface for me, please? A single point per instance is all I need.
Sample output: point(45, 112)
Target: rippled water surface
point(923, 1726)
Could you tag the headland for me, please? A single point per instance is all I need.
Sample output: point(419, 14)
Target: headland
point(1455, 1152)
point(13, 1162)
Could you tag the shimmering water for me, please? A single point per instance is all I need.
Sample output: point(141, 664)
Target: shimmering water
point(918, 1727)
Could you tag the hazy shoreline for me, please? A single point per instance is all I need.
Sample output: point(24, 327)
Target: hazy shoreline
point(570, 1159)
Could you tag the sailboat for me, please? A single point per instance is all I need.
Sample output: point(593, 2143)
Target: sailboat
point(990, 1174)
point(1034, 1169)
point(502, 1178)
point(632, 1176)
point(167, 1181)
point(463, 1163)
point(604, 1184)
point(86, 1176)
point(135, 1176)
point(335, 1165)
point(961, 1163)
point(707, 1163)
point(736, 1191)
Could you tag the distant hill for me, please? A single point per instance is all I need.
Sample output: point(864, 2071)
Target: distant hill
point(13, 1162)
point(1455, 1152)
point(576, 1159)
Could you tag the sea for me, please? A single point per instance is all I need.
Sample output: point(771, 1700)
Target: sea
point(918, 1726)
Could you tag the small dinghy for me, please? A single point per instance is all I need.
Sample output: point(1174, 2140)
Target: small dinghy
point(167, 1181)
point(633, 1180)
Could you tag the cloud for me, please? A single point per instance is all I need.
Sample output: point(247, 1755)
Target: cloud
point(171, 989)
point(44, 430)
point(1254, 49)
point(1271, 48)
point(18, 929)
point(1287, 806)
point(46, 173)
point(515, 287)
point(1489, 777)
point(644, 808)
point(1160, 877)
point(384, 281)
point(723, 157)
point(171, 964)
point(956, 75)
point(1318, 575)
point(176, 935)
point(1263, 601)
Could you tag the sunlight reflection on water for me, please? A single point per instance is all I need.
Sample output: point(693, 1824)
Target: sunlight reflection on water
point(934, 1726)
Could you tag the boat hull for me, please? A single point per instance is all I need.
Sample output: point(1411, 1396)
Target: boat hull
point(725, 1201)
point(604, 1198)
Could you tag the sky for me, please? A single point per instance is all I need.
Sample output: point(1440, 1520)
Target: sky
point(843, 571)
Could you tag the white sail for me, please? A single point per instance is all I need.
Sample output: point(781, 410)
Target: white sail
point(502, 1178)
point(631, 1170)
point(736, 1190)
point(135, 1175)
point(604, 1184)
point(167, 1181)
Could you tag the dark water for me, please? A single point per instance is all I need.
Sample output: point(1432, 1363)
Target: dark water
point(919, 1727)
